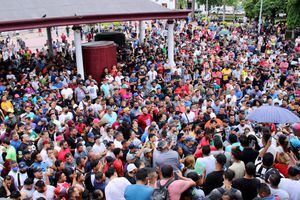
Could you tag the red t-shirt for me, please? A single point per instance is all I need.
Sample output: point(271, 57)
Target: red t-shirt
point(118, 165)
point(144, 120)
point(62, 154)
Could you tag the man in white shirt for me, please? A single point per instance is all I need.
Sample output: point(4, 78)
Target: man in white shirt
point(274, 180)
point(292, 184)
point(116, 186)
point(98, 148)
point(152, 74)
point(207, 163)
point(188, 117)
point(65, 116)
point(67, 93)
point(119, 78)
point(93, 89)
point(118, 140)
point(42, 190)
point(28, 189)
point(20, 175)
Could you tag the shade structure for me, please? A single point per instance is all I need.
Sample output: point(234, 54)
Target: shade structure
point(272, 114)
point(29, 14)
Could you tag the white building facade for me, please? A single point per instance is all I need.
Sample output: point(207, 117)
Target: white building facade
point(171, 4)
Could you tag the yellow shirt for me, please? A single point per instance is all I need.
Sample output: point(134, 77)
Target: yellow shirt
point(7, 106)
point(226, 73)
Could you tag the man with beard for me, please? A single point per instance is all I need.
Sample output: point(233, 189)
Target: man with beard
point(19, 173)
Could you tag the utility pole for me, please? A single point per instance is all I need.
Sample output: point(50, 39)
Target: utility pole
point(206, 11)
point(260, 17)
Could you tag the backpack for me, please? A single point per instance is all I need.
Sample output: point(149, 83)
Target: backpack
point(161, 193)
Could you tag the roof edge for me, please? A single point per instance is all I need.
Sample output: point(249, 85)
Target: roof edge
point(89, 19)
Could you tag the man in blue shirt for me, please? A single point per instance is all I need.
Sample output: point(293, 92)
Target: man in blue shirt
point(139, 190)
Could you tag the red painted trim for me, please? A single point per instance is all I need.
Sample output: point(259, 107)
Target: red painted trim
point(88, 19)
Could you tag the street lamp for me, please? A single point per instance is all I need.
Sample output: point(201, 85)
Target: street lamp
point(260, 16)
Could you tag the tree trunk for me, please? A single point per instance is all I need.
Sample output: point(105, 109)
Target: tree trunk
point(234, 8)
point(193, 9)
point(223, 11)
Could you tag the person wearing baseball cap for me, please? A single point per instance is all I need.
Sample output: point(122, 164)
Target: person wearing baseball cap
point(165, 156)
point(130, 174)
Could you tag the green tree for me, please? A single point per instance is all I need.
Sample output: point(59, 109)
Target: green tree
point(293, 14)
point(271, 8)
point(181, 4)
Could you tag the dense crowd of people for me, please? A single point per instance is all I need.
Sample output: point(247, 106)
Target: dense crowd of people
point(151, 130)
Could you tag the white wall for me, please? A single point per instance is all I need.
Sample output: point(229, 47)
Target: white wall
point(170, 3)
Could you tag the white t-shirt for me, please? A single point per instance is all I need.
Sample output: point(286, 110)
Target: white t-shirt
point(116, 188)
point(67, 93)
point(188, 117)
point(49, 194)
point(291, 187)
point(93, 91)
point(27, 193)
point(152, 75)
point(15, 176)
point(208, 162)
point(283, 195)
point(118, 144)
point(98, 149)
point(118, 79)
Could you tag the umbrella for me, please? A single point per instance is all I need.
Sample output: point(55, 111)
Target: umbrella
point(272, 114)
point(212, 28)
point(224, 32)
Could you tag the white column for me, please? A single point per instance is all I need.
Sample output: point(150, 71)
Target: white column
point(141, 31)
point(171, 42)
point(78, 51)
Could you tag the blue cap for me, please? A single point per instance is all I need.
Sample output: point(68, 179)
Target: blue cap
point(90, 135)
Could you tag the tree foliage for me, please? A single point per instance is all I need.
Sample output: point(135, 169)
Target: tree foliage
point(271, 8)
point(293, 14)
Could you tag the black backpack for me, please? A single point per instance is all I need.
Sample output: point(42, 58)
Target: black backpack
point(161, 193)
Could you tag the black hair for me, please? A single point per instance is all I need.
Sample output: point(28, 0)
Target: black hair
point(98, 176)
point(110, 172)
point(293, 171)
point(40, 184)
point(194, 176)
point(94, 163)
point(268, 159)
point(141, 174)
point(236, 153)
point(57, 163)
point(244, 140)
point(232, 138)
point(229, 174)
point(151, 135)
point(6, 141)
point(117, 151)
point(274, 179)
point(167, 171)
point(250, 169)
point(206, 150)
point(34, 154)
point(218, 143)
point(263, 188)
point(28, 181)
point(221, 159)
